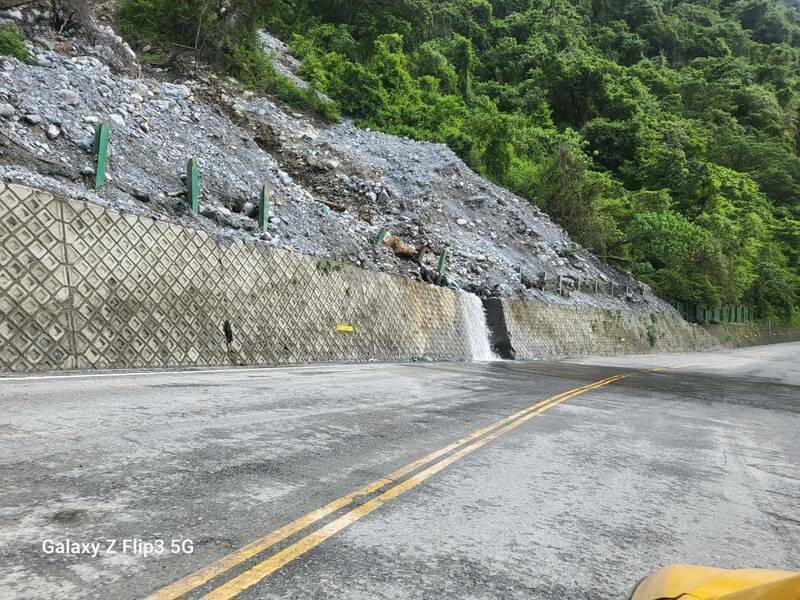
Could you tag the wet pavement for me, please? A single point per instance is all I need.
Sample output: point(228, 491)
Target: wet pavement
point(579, 499)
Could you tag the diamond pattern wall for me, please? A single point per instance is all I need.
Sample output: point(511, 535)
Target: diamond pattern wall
point(86, 287)
point(34, 288)
point(144, 293)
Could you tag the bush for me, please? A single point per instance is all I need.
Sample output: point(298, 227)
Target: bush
point(12, 43)
point(227, 40)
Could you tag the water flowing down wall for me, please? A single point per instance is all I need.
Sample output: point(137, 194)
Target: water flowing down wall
point(476, 329)
point(84, 287)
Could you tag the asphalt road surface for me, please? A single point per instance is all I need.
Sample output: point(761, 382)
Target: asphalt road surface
point(493, 480)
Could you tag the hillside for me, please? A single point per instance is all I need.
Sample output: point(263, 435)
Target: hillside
point(662, 135)
point(335, 186)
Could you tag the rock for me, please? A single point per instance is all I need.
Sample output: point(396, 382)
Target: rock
point(284, 177)
point(462, 222)
point(383, 197)
point(371, 196)
point(33, 119)
point(87, 171)
point(250, 210)
point(53, 131)
point(175, 90)
point(117, 120)
point(15, 14)
point(69, 97)
point(6, 110)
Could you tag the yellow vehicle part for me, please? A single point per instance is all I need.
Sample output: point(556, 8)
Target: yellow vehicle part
point(687, 582)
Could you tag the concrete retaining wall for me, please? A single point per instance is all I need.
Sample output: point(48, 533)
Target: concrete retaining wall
point(536, 330)
point(742, 335)
point(83, 287)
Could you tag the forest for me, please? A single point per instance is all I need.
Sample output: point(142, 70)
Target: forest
point(662, 134)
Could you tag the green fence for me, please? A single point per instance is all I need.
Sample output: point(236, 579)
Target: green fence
point(724, 314)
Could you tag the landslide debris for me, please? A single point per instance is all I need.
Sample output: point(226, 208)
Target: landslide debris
point(336, 187)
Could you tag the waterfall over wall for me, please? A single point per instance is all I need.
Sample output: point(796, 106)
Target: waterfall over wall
point(476, 330)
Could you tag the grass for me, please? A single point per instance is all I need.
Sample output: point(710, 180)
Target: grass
point(329, 266)
point(12, 43)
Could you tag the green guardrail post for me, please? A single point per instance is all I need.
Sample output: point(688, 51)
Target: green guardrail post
point(264, 208)
point(193, 184)
point(101, 134)
point(443, 261)
point(381, 237)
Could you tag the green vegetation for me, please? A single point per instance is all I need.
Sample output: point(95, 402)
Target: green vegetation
point(328, 266)
point(12, 43)
point(223, 34)
point(663, 135)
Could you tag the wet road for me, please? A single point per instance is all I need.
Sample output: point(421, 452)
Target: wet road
point(580, 478)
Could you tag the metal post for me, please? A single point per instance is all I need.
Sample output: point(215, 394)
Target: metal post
point(263, 208)
point(381, 237)
point(193, 184)
point(443, 261)
point(101, 135)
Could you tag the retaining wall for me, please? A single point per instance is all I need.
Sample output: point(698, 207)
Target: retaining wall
point(83, 287)
point(742, 335)
point(536, 330)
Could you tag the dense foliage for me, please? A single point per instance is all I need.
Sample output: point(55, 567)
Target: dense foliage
point(663, 134)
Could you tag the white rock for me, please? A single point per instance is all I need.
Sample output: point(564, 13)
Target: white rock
point(462, 222)
point(174, 90)
point(53, 131)
point(117, 120)
point(70, 97)
point(6, 110)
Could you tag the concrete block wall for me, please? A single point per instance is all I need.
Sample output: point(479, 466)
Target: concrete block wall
point(742, 335)
point(537, 330)
point(83, 287)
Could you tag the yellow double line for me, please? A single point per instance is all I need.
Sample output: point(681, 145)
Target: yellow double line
point(457, 450)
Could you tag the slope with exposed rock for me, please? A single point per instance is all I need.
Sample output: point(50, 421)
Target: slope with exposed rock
point(335, 186)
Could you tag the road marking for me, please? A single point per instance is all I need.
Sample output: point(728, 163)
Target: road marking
point(12, 379)
point(235, 586)
point(220, 566)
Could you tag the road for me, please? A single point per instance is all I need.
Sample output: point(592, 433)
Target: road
point(645, 461)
